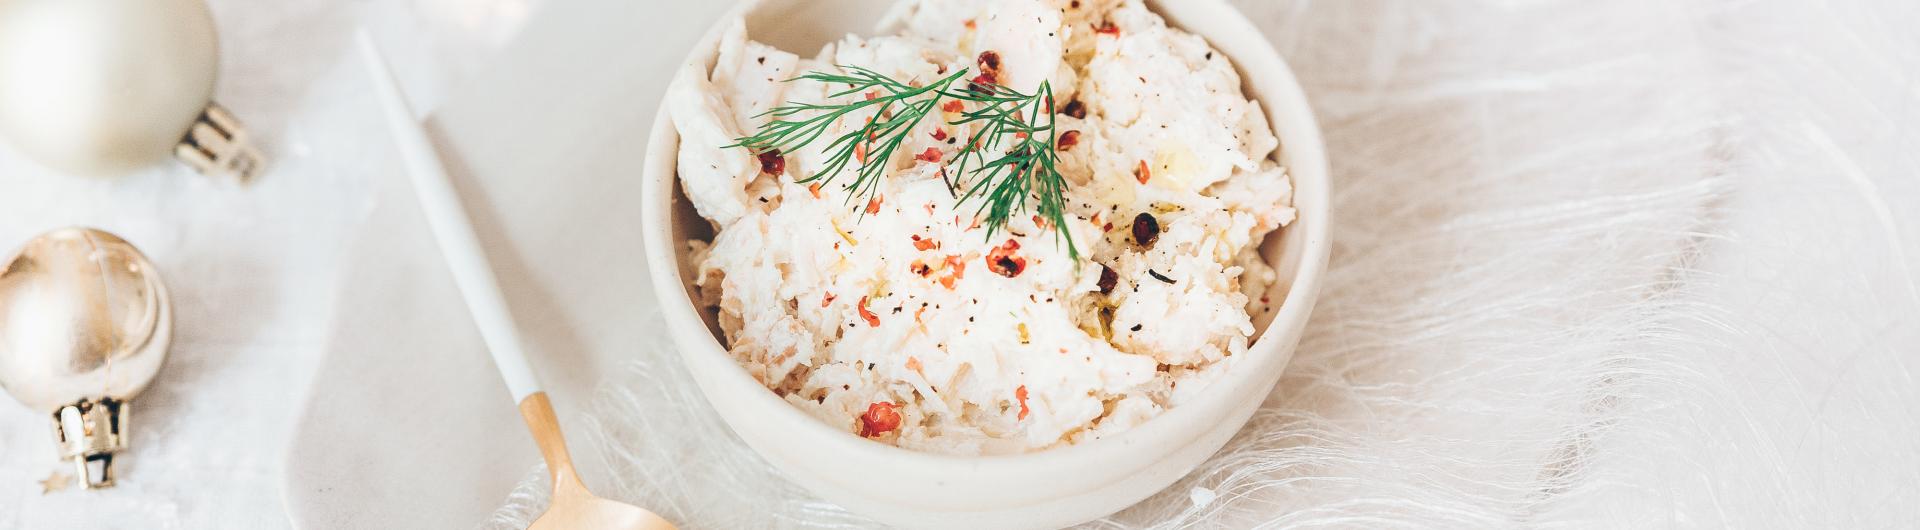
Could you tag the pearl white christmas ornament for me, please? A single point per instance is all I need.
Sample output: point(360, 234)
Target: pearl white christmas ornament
point(101, 87)
point(85, 323)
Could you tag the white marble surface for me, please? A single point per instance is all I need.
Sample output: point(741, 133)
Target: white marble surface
point(252, 269)
point(1812, 334)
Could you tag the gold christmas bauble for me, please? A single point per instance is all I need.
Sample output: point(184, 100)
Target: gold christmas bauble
point(85, 323)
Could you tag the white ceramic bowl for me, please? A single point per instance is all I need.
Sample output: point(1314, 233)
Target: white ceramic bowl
point(1049, 488)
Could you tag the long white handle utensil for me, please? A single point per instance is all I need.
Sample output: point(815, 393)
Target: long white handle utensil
point(454, 232)
point(573, 506)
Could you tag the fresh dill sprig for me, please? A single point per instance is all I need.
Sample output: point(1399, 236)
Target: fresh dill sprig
point(1009, 160)
point(1029, 169)
point(895, 111)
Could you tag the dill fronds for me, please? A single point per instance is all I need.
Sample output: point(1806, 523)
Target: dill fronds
point(1009, 161)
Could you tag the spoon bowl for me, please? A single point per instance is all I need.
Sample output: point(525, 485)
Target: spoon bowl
point(573, 506)
point(588, 511)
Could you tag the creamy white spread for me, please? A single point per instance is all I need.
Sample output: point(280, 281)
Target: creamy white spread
point(857, 310)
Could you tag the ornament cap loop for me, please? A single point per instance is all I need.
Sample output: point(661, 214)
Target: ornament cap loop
point(218, 146)
point(91, 431)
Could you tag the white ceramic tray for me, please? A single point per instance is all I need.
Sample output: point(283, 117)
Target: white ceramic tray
point(408, 426)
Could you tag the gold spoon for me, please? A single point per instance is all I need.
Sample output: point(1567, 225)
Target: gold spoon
point(572, 505)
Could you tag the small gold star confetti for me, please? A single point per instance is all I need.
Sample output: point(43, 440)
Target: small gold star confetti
point(55, 482)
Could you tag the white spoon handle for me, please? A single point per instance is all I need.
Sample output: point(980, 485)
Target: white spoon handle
point(453, 230)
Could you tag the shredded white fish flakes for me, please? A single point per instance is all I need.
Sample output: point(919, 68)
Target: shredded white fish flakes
point(897, 318)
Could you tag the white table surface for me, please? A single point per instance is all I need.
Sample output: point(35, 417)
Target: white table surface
point(255, 270)
point(252, 269)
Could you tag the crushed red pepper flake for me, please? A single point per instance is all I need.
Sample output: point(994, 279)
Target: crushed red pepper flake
point(872, 319)
point(1067, 140)
point(1020, 394)
point(873, 204)
point(1106, 27)
point(879, 419)
point(953, 106)
point(1075, 109)
point(827, 300)
point(1002, 261)
point(956, 270)
point(970, 24)
point(932, 154)
point(989, 61)
point(1108, 279)
point(1142, 173)
point(940, 135)
point(980, 83)
point(772, 163)
point(814, 189)
point(925, 244)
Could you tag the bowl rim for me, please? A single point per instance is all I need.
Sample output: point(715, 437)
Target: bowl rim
point(1302, 152)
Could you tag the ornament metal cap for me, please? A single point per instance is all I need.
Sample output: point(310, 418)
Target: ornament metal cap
point(85, 324)
point(91, 431)
point(217, 146)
